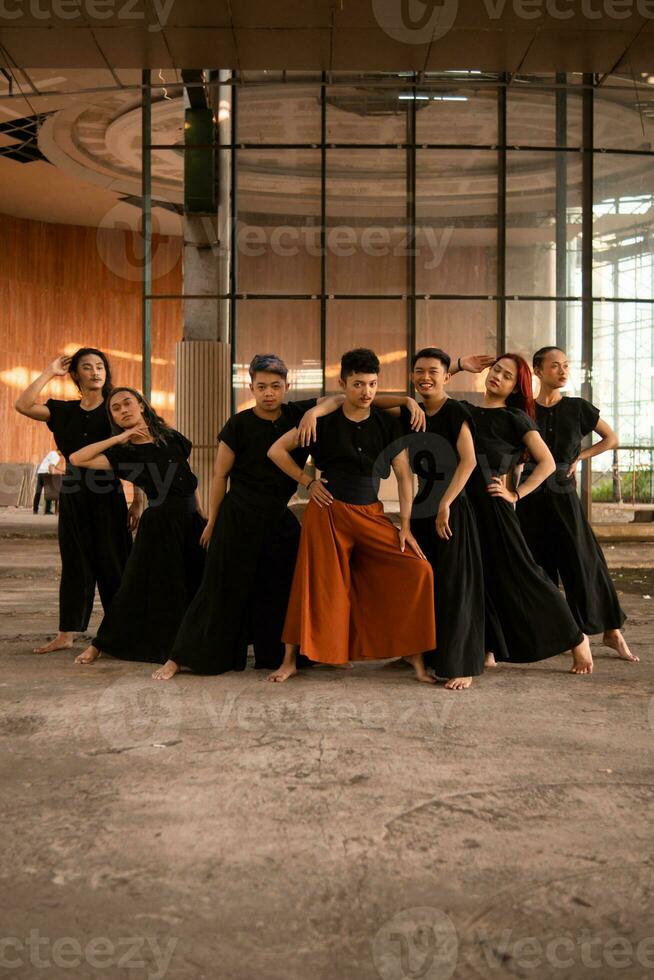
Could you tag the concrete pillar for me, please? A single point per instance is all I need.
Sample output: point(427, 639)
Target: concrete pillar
point(203, 386)
point(203, 375)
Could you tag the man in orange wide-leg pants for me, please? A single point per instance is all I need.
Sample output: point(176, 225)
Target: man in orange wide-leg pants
point(360, 591)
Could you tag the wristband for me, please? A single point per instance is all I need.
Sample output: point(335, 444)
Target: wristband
point(458, 364)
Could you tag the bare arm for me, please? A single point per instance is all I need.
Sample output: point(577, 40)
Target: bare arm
point(474, 363)
point(465, 447)
point(608, 441)
point(307, 431)
point(92, 457)
point(280, 453)
point(404, 478)
point(26, 404)
point(393, 403)
point(136, 508)
point(225, 458)
point(544, 468)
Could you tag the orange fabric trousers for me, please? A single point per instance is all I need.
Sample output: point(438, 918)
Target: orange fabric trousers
point(355, 595)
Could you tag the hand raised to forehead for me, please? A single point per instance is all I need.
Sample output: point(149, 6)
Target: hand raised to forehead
point(60, 365)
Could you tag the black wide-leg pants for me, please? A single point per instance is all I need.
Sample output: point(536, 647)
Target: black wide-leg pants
point(94, 543)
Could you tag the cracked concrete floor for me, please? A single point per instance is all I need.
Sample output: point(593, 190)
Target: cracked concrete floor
point(346, 825)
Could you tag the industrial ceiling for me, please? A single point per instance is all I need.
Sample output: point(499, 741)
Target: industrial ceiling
point(599, 36)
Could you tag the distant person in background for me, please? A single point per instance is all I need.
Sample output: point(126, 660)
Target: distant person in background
point(47, 466)
point(94, 526)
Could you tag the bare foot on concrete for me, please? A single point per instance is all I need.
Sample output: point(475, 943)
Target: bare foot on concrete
point(347, 666)
point(169, 669)
point(617, 642)
point(90, 654)
point(62, 641)
point(582, 659)
point(422, 674)
point(283, 673)
point(458, 684)
point(489, 659)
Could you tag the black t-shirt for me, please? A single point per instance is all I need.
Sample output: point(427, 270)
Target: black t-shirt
point(433, 454)
point(250, 437)
point(162, 471)
point(74, 427)
point(498, 437)
point(363, 448)
point(564, 425)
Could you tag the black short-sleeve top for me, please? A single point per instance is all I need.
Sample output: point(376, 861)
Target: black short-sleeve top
point(74, 427)
point(433, 454)
point(498, 437)
point(564, 425)
point(363, 448)
point(161, 470)
point(250, 437)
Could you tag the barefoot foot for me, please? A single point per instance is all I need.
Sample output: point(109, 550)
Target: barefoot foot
point(458, 683)
point(347, 666)
point(90, 654)
point(582, 660)
point(617, 642)
point(169, 669)
point(62, 641)
point(422, 674)
point(489, 659)
point(282, 673)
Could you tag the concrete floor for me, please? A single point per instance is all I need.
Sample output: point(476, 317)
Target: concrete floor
point(345, 825)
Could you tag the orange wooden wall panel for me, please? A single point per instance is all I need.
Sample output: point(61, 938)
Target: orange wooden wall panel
point(65, 285)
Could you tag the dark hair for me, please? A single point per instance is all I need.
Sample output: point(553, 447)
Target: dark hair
point(522, 395)
point(268, 362)
point(436, 353)
point(361, 360)
point(77, 357)
point(539, 356)
point(160, 431)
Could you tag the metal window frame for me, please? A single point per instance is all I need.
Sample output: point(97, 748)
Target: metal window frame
point(410, 146)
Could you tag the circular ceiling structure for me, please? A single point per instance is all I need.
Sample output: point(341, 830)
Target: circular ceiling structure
point(100, 143)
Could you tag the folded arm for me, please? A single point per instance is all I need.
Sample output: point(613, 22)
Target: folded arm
point(92, 457)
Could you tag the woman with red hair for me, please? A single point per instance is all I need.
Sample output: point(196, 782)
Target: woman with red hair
point(527, 618)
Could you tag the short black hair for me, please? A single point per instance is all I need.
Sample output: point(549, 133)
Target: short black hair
point(539, 356)
point(269, 363)
point(361, 360)
point(436, 353)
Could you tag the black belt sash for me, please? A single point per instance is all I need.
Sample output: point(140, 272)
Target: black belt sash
point(352, 488)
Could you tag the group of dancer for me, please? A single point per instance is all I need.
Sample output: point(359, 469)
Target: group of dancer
point(470, 578)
